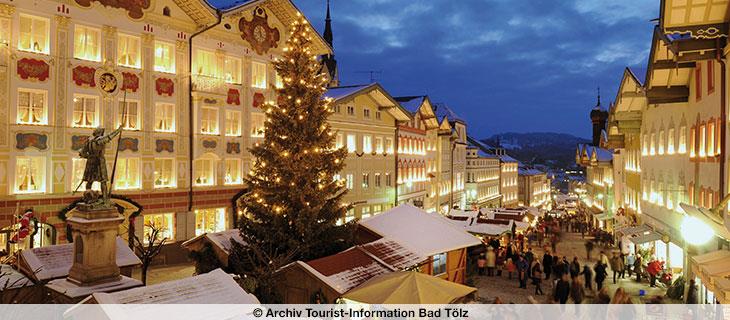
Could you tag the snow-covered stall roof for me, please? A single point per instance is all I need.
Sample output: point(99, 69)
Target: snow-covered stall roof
point(488, 229)
point(347, 269)
point(221, 242)
point(11, 278)
point(417, 229)
point(393, 253)
point(215, 287)
point(53, 262)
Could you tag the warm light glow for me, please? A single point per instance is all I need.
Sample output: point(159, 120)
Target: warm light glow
point(695, 231)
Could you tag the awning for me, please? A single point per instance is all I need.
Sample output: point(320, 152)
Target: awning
point(634, 230)
point(647, 236)
point(722, 289)
point(409, 287)
point(712, 268)
point(602, 217)
point(708, 218)
point(595, 210)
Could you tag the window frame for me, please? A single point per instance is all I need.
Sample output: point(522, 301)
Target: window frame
point(207, 123)
point(120, 114)
point(125, 170)
point(165, 105)
point(258, 66)
point(42, 173)
point(173, 175)
point(239, 179)
point(168, 67)
point(138, 54)
point(86, 56)
point(97, 110)
point(31, 93)
point(47, 32)
point(167, 232)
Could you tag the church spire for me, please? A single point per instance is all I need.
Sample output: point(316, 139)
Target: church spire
point(598, 103)
point(328, 26)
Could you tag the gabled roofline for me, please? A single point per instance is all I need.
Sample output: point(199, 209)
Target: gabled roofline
point(396, 110)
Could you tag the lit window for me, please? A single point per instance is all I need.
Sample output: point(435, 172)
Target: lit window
point(661, 142)
point(232, 69)
point(365, 212)
point(128, 51)
point(682, 149)
point(87, 43)
point(365, 180)
point(652, 144)
point(129, 115)
point(164, 173)
point(210, 220)
point(377, 180)
point(32, 107)
point(257, 124)
point(378, 115)
point(161, 221)
point(350, 215)
point(389, 145)
point(379, 144)
point(279, 82)
point(670, 141)
point(208, 120)
point(367, 144)
point(351, 143)
point(164, 117)
point(30, 175)
point(349, 181)
point(78, 166)
point(205, 63)
point(34, 34)
point(366, 113)
point(339, 141)
point(645, 145)
point(164, 57)
point(127, 174)
point(710, 139)
point(233, 171)
point(86, 113)
point(703, 138)
point(388, 180)
point(439, 264)
point(204, 171)
point(258, 75)
point(233, 123)
point(350, 110)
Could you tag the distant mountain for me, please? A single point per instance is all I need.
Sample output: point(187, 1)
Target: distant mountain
point(548, 148)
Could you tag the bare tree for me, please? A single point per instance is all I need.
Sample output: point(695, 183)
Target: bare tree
point(147, 251)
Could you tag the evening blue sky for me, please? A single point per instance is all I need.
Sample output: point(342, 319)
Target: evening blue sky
point(503, 65)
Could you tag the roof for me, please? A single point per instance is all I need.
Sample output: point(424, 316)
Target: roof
point(215, 287)
point(221, 242)
point(347, 269)
point(409, 287)
point(393, 253)
point(410, 226)
point(603, 155)
point(506, 158)
point(528, 171)
point(411, 103)
point(377, 93)
point(12, 279)
point(444, 111)
point(52, 262)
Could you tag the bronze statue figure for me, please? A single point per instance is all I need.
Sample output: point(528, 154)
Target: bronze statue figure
point(95, 170)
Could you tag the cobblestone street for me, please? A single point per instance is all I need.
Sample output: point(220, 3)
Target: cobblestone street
point(571, 245)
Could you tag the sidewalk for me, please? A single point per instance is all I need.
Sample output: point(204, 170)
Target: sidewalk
point(158, 274)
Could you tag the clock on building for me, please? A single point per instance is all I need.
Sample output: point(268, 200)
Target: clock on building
point(257, 32)
point(108, 81)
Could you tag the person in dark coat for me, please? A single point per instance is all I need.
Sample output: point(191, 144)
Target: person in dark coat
point(587, 277)
point(537, 278)
point(562, 290)
point(601, 274)
point(574, 268)
point(577, 292)
point(557, 267)
point(547, 264)
point(522, 267)
point(602, 297)
point(692, 292)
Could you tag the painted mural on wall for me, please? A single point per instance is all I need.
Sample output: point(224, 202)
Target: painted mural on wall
point(130, 82)
point(128, 144)
point(78, 142)
point(134, 7)
point(25, 140)
point(258, 99)
point(164, 86)
point(233, 147)
point(258, 33)
point(165, 145)
point(33, 69)
point(84, 76)
point(234, 97)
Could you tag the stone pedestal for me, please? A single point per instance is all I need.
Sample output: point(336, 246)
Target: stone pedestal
point(94, 267)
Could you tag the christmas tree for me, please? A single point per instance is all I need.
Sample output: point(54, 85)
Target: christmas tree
point(293, 201)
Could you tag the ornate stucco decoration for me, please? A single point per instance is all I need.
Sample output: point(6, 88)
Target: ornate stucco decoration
point(258, 33)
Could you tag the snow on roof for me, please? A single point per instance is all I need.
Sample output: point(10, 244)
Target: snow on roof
point(528, 172)
point(52, 262)
point(415, 228)
point(489, 229)
point(442, 110)
point(603, 154)
point(347, 269)
point(412, 104)
point(215, 287)
point(338, 93)
point(11, 278)
point(506, 158)
point(393, 253)
point(220, 239)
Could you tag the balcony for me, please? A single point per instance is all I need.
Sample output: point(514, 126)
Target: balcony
point(210, 84)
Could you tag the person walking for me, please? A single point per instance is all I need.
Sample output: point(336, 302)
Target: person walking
point(510, 267)
point(630, 263)
point(547, 264)
point(589, 249)
point(562, 290)
point(637, 267)
point(616, 266)
point(587, 277)
point(537, 278)
point(622, 257)
point(601, 274)
point(603, 258)
point(692, 292)
point(500, 262)
point(482, 263)
point(491, 261)
point(574, 268)
point(522, 271)
point(530, 257)
point(577, 292)
point(653, 269)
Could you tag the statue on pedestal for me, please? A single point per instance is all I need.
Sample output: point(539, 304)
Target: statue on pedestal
point(95, 170)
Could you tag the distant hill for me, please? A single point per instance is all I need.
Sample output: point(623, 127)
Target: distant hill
point(551, 149)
